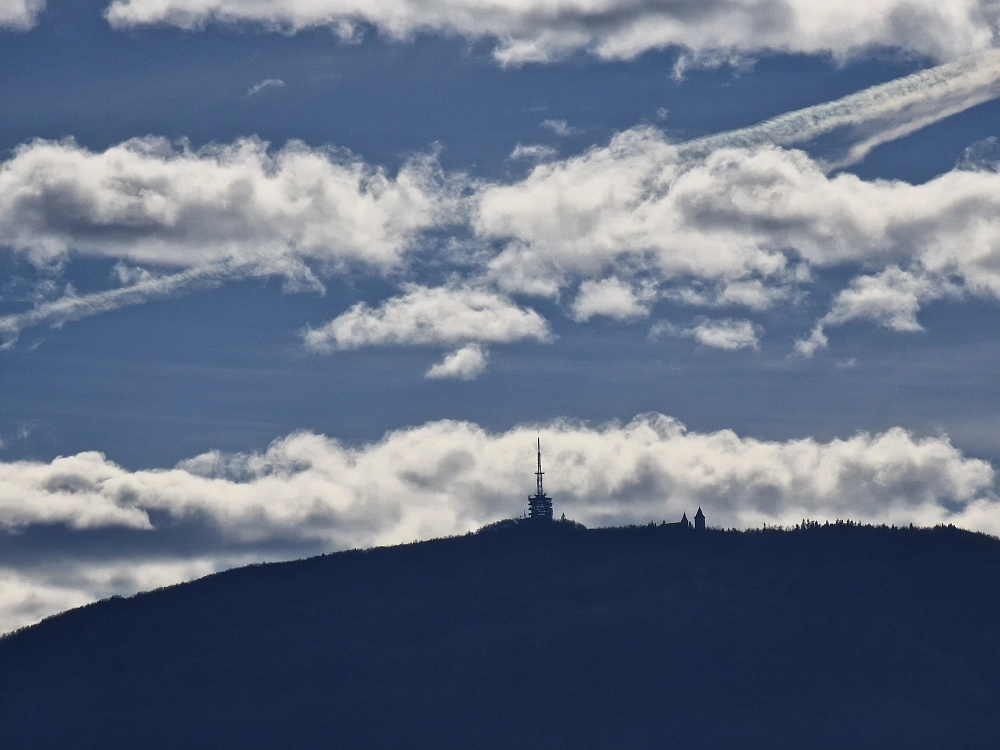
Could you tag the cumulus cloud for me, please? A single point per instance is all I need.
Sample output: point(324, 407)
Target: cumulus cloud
point(726, 334)
point(450, 477)
point(69, 490)
point(466, 363)
point(441, 316)
point(744, 227)
point(20, 15)
point(611, 298)
point(540, 31)
point(152, 201)
point(730, 210)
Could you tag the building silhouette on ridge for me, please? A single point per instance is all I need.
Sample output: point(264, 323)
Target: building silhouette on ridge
point(540, 505)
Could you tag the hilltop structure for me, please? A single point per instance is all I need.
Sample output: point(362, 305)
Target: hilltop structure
point(685, 525)
point(539, 504)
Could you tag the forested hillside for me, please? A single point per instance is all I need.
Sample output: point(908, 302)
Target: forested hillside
point(823, 636)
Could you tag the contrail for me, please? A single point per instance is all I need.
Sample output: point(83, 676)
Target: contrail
point(876, 115)
point(71, 307)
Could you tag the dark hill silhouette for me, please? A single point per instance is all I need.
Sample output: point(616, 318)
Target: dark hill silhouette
point(832, 636)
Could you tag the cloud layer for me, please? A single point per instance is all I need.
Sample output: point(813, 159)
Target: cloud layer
point(541, 31)
point(450, 477)
point(737, 220)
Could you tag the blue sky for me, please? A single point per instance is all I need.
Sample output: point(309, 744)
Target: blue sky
point(283, 277)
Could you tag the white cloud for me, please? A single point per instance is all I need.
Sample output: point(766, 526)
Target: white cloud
point(25, 600)
point(559, 127)
point(151, 201)
point(450, 477)
point(744, 227)
point(721, 221)
point(533, 152)
point(984, 154)
point(266, 83)
point(73, 307)
point(444, 316)
point(20, 15)
point(27, 596)
point(891, 298)
point(611, 298)
point(466, 363)
point(70, 490)
point(752, 294)
point(875, 115)
point(538, 30)
point(726, 334)
point(447, 477)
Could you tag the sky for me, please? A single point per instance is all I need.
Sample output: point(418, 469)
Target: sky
point(282, 277)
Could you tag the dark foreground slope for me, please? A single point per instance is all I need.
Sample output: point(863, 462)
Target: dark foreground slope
point(828, 637)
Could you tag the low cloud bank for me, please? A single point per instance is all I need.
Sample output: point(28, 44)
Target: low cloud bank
point(712, 31)
point(451, 477)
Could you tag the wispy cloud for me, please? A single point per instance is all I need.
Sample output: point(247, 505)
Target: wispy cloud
point(891, 298)
point(560, 128)
point(876, 115)
point(726, 334)
point(266, 83)
point(533, 152)
point(72, 307)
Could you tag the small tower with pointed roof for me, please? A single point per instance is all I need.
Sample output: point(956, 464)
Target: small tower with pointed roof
point(699, 520)
point(539, 505)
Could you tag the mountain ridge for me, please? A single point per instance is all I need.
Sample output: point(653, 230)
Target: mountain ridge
point(526, 636)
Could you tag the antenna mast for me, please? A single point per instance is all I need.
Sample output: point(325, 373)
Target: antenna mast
point(539, 505)
point(538, 474)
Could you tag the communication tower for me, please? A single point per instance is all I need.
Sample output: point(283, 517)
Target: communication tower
point(539, 505)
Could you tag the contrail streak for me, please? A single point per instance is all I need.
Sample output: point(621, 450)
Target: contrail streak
point(69, 308)
point(876, 115)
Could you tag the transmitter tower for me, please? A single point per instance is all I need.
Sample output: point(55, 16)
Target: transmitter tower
point(539, 504)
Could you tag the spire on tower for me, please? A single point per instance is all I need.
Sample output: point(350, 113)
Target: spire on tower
point(538, 474)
